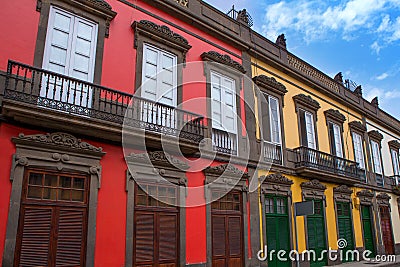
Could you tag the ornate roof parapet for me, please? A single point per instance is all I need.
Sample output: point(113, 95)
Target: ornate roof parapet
point(375, 102)
point(57, 140)
point(281, 41)
point(357, 126)
point(307, 101)
point(270, 83)
point(375, 135)
point(358, 91)
point(158, 158)
point(223, 59)
point(335, 115)
point(339, 78)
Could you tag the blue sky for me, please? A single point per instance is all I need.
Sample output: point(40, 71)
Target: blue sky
point(360, 38)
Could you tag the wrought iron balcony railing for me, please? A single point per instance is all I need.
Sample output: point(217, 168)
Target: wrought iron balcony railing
point(53, 91)
point(272, 153)
point(310, 158)
point(224, 142)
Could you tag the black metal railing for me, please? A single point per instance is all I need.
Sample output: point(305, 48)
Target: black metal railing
point(50, 90)
point(310, 158)
point(380, 181)
point(224, 142)
point(272, 153)
point(394, 180)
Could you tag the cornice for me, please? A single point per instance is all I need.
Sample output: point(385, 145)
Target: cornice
point(226, 170)
point(57, 140)
point(158, 158)
point(222, 59)
point(357, 126)
point(335, 115)
point(394, 144)
point(270, 83)
point(375, 135)
point(306, 101)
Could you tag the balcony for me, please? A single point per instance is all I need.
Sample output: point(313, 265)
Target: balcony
point(224, 142)
point(316, 164)
point(33, 90)
point(272, 153)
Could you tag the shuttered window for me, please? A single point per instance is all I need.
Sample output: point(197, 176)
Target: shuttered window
point(156, 229)
point(227, 230)
point(387, 232)
point(316, 233)
point(376, 156)
point(52, 228)
point(358, 150)
point(271, 119)
point(345, 225)
point(336, 139)
point(395, 161)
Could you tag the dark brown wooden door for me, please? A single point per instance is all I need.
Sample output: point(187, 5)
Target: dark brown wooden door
point(53, 220)
point(227, 231)
point(156, 229)
point(386, 227)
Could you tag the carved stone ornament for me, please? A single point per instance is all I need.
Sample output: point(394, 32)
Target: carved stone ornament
point(270, 83)
point(307, 101)
point(375, 102)
point(56, 140)
point(383, 199)
point(162, 32)
point(342, 193)
point(99, 7)
point(281, 41)
point(358, 91)
point(335, 115)
point(158, 158)
point(226, 170)
point(375, 135)
point(357, 126)
point(339, 78)
point(243, 17)
point(365, 197)
point(184, 3)
point(223, 59)
point(276, 178)
point(313, 184)
point(394, 144)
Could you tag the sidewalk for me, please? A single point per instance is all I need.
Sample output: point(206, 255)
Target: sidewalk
point(371, 264)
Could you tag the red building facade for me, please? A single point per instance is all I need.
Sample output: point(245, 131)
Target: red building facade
point(70, 73)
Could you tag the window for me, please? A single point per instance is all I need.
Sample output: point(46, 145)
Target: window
point(395, 162)
point(358, 150)
point(159, 76)
point(224, 116)
point(336, 139)
point(376, 157)
point(307, 129)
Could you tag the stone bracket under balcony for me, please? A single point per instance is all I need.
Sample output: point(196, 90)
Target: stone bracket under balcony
point(315, 164)
point(44, 99)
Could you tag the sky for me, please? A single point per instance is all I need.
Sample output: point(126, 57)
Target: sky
point(360, 38)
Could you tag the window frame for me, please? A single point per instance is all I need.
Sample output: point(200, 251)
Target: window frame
point(99, 12)
point(335, 119)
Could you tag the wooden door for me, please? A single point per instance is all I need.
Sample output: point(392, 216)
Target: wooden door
point(227, 231)
point(367, 229)
point(53, 220)
point(316, 234)
point(345, 228)
point(386, 227)
point(156, 229)
point(277, 224)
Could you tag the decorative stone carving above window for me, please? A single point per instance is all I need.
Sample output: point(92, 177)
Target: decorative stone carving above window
point(342, 193)
point(276, 184)
point(162, 34)
point(394, 144)
point(365, 196)
point(270, 84)
point(225, 176)
point(214, 56)
point(357, 126)
point(157, 158)
point(383, 199)
point(313, 189)
point(304, 101)
point(375, 135)
point(335, 116)
point(97, 7)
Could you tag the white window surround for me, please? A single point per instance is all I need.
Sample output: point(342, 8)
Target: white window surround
point(358, 150)
point(159, 75)
point(338, 140)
